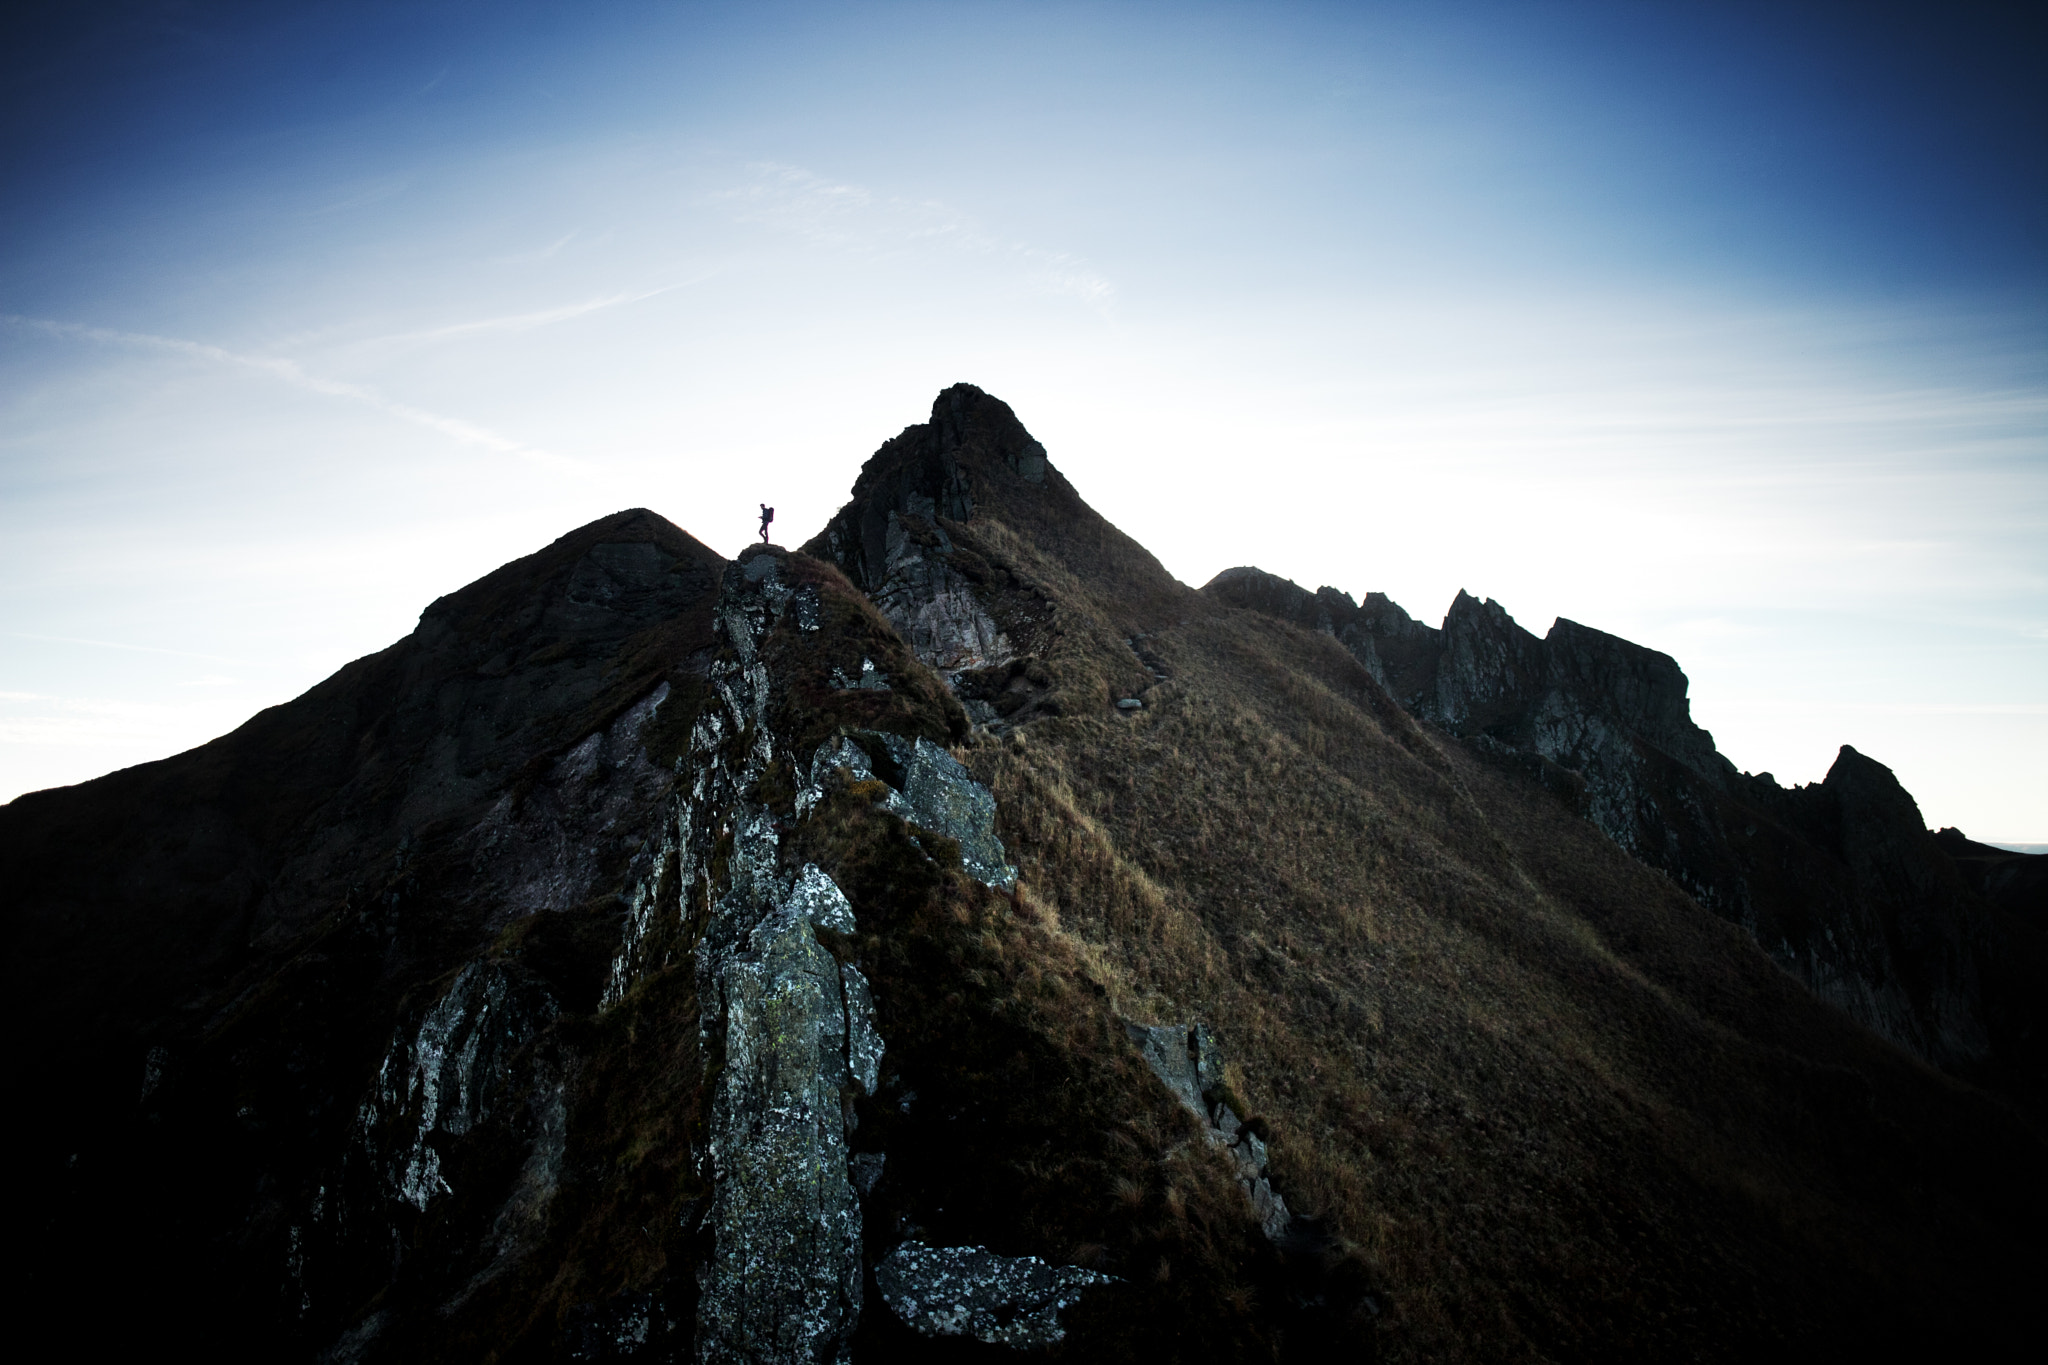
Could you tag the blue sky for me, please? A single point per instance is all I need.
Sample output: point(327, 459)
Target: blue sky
point(1720, 327)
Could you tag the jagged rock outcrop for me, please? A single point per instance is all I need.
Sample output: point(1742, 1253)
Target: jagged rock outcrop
point(1839, 881)
point(941, 797)
point(792, 1028)
point(913, 537)
point(789, 1025)
point(891, 541)
point(1384, 638)
point(1190, 1062)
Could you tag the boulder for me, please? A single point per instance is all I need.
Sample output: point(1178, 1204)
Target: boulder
point(972, 1292)
point(940, 796)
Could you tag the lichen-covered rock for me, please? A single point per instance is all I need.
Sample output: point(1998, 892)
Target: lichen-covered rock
point(842, 752)
point(446, 1075)
point(793, 1027)
point(944, 799)
point(784, 1281)
point(970, 1291)
point(932, 791)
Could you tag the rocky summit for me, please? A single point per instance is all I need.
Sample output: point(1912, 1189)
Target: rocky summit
point(957, 939)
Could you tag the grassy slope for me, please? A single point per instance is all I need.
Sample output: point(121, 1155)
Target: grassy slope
point(1560, 1110)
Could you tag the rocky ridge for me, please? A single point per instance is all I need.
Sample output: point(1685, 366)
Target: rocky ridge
point(663, 866)
point(1840, 881)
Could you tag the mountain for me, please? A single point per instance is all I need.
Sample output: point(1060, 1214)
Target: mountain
point(959, 939)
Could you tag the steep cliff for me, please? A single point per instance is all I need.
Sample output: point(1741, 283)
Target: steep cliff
point(2016, 883)
point(960, 940)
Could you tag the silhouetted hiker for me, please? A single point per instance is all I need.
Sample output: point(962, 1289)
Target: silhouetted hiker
point(767, 515)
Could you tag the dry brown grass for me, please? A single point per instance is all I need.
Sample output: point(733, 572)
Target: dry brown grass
point(1015, 1114)
point(1559, 1110)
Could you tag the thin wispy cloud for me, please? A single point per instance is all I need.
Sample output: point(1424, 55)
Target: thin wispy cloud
point(827, 212)
point(535, 257)
point(292, 373)
point(526, 322)
point(1058, 272)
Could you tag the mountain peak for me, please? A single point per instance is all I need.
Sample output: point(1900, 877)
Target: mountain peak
point(915, 525)
point(965, 418)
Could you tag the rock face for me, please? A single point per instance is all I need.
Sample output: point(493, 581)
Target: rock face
point(941, 797)
point(1190, 1062)
point(793, 1028)
point(470, 1056)
point(1840, 882)
point(891, 541)
point(913, 537)
point(2016, 883)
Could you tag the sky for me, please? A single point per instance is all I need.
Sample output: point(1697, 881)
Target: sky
point(1721, 327)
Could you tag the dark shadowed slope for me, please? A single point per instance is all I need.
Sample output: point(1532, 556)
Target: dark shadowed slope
point(141, 888)
point(205, 954)
point(541, 1037)
point(2016, 883)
